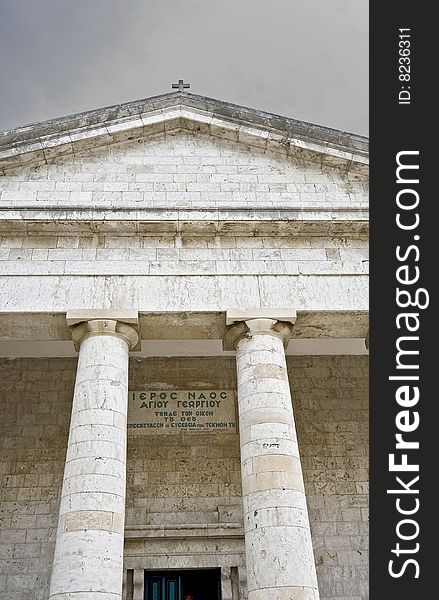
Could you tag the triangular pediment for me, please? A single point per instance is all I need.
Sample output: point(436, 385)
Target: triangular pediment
point(42, 143)
point(184, 169)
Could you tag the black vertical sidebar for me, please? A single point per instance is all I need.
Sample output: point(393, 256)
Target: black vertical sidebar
point(403, 120)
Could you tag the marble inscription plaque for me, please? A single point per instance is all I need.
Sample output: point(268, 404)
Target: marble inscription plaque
point(171, 412)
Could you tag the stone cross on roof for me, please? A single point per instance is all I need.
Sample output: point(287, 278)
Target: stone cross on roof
point(180, 86)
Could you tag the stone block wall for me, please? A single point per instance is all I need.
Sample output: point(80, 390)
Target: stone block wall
point(184, 170)
point(178, 272)
point(330, 398)
point(184, 482)
point(190, 182)
point(178, 255)
point(35, 400)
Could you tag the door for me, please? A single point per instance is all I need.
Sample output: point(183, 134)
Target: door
point(203, 584)
point(163, 587)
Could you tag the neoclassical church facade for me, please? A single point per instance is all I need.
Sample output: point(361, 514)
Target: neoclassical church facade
point(183, 356)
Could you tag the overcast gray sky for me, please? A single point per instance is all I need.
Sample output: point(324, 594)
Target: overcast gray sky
point(306, 59)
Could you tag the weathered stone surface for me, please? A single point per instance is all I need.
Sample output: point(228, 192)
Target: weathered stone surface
point(66, 136)
point(180, 208)
point(89, 543)
point(183, 482)
point(279, 552)
point(201, 174)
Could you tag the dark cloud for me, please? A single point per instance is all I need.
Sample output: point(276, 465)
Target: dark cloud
point(303, 59)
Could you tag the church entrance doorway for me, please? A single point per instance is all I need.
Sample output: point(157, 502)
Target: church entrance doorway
point(203, 584)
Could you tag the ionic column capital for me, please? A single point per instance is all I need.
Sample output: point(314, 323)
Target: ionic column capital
point(243, 324)
point(105, 327)
point(89, 323)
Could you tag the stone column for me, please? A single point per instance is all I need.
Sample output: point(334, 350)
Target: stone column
point(138, 584)
point(279, 554)
point(88, 562)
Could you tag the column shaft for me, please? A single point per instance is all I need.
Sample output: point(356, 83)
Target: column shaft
point(280, 561)
point(88, 562)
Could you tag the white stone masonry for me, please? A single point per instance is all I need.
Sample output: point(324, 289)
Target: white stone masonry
point(88, 562)
point(279, 554)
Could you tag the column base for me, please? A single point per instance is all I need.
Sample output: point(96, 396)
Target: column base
point(284, 593)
